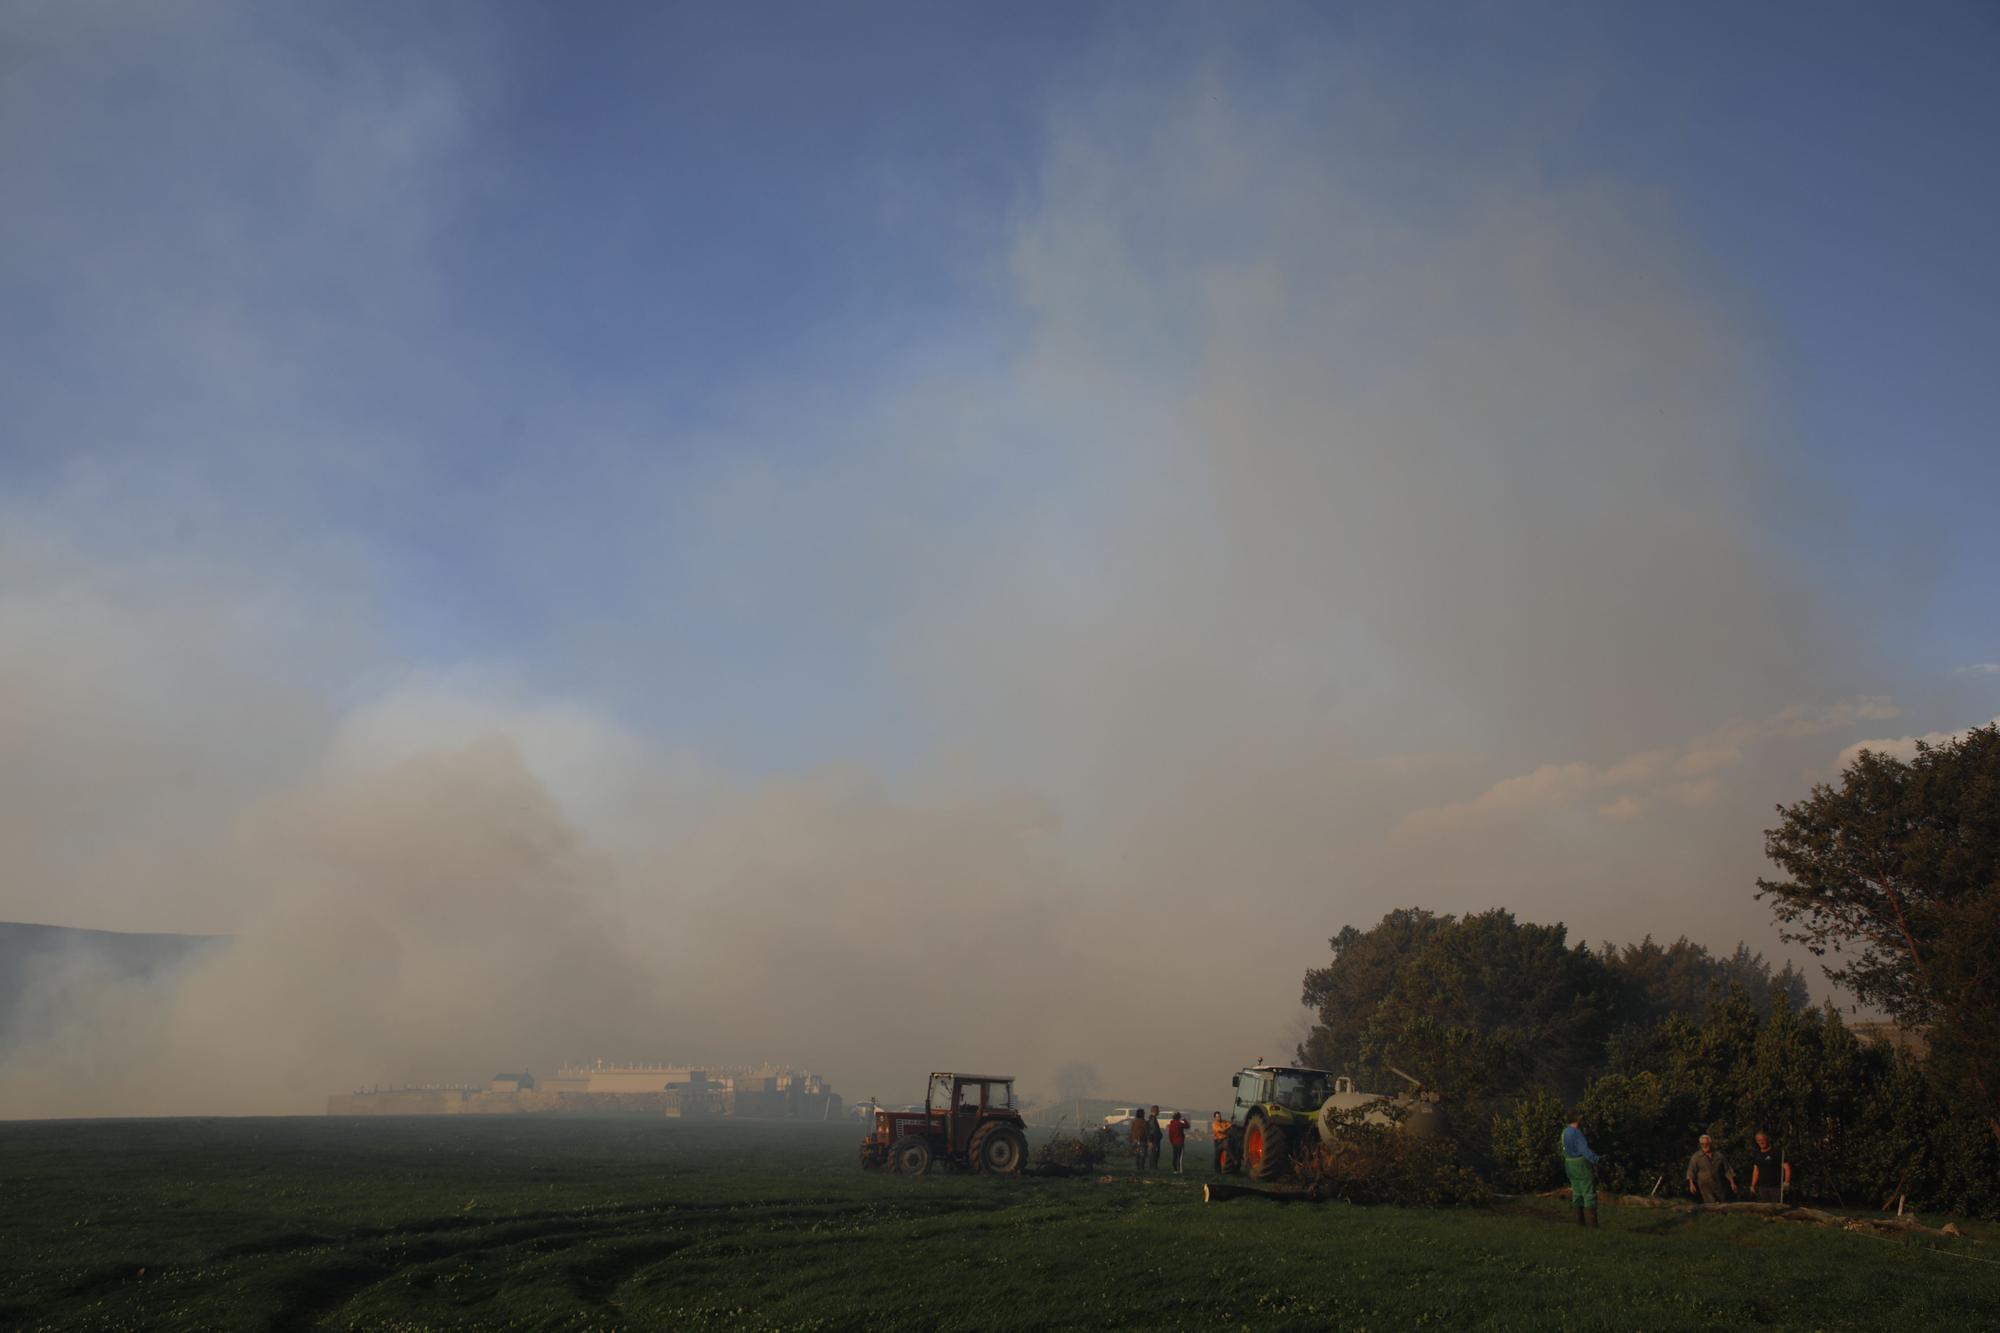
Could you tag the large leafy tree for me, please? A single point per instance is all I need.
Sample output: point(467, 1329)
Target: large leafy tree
point(1896, 872)
point(1345, 993)
point(1468, 1005)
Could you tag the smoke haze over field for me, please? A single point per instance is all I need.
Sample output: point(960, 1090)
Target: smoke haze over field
point(718, 571)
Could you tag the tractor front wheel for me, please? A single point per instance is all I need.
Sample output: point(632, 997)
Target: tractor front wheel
point(1267, 1149)
point(911, 1157)
point(998, 1150)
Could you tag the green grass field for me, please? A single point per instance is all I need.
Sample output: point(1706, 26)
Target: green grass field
point(616, 1224)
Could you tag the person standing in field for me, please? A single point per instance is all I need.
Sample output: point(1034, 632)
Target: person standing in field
point(1218, 1129)
point(1769, 1171)
point(1153, 1137)
point(1177, 1129)
point(1141, 1142)
point(1580, 1164)
point(1707, 1170)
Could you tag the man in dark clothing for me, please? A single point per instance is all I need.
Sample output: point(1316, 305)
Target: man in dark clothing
point(1142, 1140)
point(1707, 1169)
point(1769, 1171)
point(1153, 1137)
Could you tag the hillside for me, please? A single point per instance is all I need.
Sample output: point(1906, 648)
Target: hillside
point(35, 954)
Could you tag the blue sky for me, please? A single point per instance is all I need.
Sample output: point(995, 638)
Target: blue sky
point(1830, 162)
point(684, 216)
point(1368, 455)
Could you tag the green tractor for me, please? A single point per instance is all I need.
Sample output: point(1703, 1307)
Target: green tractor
point(1283, 1114)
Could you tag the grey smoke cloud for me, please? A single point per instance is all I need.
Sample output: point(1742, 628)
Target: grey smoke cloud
point(1343, 544)
point(396, 924)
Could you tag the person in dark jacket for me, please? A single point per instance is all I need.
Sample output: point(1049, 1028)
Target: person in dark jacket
point(1769, 1171)
point(1153, 1137)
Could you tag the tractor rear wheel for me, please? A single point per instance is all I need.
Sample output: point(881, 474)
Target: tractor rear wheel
point(998, 1150)
point(911, 1157)
point(1267, 1149)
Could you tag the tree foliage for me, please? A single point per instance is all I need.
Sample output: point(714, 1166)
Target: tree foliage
point(1861, 1123)
point(1525, 1136)
point(1365, 968)
point(1685, 978)
point(1466, 1005)
point(1484, 1003)
point(1896, 871)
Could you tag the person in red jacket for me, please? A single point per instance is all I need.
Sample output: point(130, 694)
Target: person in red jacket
point(1177, 1129)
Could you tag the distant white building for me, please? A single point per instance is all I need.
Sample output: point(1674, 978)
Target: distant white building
point(755, 1091)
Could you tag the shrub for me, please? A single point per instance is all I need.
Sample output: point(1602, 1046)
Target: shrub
point(1376, 1163)
point(1072, 1154)
point(1526, 1146)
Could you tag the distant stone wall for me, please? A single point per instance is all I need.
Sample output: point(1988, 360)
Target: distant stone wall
point(773, 1097)
point(406, 1101)
point(430, 1101)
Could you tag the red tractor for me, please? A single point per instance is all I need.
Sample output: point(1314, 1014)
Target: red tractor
point(968, 1120)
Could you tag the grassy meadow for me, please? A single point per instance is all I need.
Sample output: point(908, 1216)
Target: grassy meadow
point(519, 1223)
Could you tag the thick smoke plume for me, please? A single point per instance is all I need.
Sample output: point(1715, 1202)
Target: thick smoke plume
point(1375, 531)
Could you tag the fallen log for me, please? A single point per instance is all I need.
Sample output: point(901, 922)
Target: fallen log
point(1906, 1225)
point(1902, 1226)
point(1219, 1191)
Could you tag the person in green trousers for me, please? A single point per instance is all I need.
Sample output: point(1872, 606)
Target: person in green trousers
point(1581, 1165)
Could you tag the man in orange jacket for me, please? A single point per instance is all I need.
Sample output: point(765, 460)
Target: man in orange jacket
point(1219, 1130)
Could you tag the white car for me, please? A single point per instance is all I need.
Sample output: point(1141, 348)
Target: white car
point(1123, 1117)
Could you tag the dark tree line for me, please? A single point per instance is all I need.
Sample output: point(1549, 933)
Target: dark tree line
point(1861, 1122)
point(1484, 1004)
point(1893, 874)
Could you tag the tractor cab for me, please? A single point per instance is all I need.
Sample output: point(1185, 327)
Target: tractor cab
point(968, 1120)
point(1286, 1087)
point(967, 1101)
